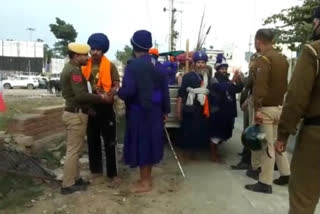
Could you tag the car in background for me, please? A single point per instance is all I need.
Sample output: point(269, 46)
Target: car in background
point(20, 82)
point(43, 84)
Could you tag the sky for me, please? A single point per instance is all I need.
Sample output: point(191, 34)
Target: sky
point(232, 21)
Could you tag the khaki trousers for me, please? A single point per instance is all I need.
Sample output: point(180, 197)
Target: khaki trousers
point(304, 184)
point(269, 157)
point(255, 155)
point(76, 125)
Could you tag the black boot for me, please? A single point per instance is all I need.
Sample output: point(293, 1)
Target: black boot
point(282, 180)
point(73, 188)
point(241, 166)
point(241, 153)
point(80, 182)
point(260, 187)
point(254, 173)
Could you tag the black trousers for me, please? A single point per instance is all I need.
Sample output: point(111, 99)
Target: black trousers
point(101, 131)
point(246, 156)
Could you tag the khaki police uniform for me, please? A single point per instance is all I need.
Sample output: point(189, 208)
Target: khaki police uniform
point(303, 101)
point(255, 155)
point(269, 88)
point(75, 115)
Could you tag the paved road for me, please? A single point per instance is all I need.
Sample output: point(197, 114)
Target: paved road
point(214, 188)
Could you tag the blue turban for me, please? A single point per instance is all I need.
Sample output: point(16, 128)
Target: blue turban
point(99, 41)
point(141, 40)
point(200, 56)
point(220, 62)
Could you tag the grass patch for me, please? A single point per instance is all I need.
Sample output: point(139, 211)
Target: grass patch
point(17, 191)
point(53, 161)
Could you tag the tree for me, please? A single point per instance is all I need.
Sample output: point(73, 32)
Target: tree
point(125, 55)
point(293, 26)
point(48, 54)
point(65, 33)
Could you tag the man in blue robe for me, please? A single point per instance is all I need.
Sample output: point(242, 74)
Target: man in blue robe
point(223, 105)
point(146, 94)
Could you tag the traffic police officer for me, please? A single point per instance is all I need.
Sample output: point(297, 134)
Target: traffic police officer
point(302, 101)
point(77, 101)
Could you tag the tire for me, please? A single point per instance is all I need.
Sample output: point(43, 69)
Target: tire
point(30, 86)
point(7, 86)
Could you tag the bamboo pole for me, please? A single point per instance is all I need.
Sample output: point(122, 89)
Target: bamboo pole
point(187, 57)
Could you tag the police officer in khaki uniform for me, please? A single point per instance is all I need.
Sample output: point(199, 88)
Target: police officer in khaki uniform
point(269, 88)
point(303, 101)
point(77, 101)
point(255, 155)
point(246, 106)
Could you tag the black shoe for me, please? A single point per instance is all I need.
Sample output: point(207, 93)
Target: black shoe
point(241, 166)
point(81, 182)
point(260, 187)
point(241, 153)
point(72, 189)
point(254, 173)
point(282, 180)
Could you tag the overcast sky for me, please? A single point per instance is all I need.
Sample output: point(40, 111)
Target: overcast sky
point(233, 21)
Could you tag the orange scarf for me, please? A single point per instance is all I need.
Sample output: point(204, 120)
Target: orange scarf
point(104, 80)
point(206, 110)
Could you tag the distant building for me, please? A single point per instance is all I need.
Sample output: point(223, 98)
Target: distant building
point(56, 65)
point(21, 56)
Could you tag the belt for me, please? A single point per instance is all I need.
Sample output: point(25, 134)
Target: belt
point(312, 121)
point(76, 110)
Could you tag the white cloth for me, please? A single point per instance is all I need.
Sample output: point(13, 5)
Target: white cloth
point(89, 87)
point(215, 140)
point(201, 92)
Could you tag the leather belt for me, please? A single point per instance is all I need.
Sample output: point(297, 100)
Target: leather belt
point(312, 121)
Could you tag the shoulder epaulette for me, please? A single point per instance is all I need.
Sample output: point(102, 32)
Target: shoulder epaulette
point(266, 59)
point(316, 55)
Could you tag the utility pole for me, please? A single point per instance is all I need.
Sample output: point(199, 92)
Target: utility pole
point(30, 32)
point(250, 43)
point(172, 26)
point(156, 45)
point(172, 31)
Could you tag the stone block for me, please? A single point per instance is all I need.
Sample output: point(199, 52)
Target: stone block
point(23, 140)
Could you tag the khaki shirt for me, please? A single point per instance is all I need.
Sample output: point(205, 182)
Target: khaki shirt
point(270, 79)
point(74, 87)
point(303, 97)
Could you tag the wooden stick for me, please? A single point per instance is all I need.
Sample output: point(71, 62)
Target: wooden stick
point(187, 57)
point(174, 153)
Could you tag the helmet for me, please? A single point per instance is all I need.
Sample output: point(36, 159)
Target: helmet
point(252, 138)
